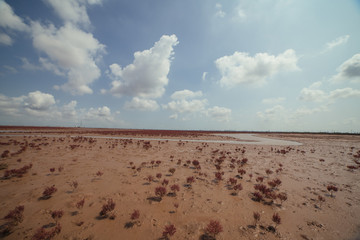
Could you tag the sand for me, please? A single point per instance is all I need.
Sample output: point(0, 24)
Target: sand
point(307, 170)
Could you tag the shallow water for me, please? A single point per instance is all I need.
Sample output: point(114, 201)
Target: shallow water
point(248, 139)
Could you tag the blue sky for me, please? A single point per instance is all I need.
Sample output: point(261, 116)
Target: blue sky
point(180, 64)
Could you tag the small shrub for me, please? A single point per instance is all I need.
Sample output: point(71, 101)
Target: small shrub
point(158, 175)
point(160, 191)
point(135, 215)
point(80, 204)
point(175, 188)
point(165, 182)
point(282, 197)
point(42, 234)
point(331, 189)
point(52, 170)
point(172, 171)
point(57, 214)
point(74, 185)
point(259, 179)
point(218, 176)
point(276, 219)
point(107, 208)
point(15, 216)
point(257, 196)
point(214, 228)
point(49, 191)
point(99, 173)
point(190, 180)
point(321, 199)
point(256, 216)
point(169, 231)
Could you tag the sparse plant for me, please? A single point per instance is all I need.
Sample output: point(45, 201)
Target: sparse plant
point(256, 216)
point(49, 191)
point(276, 219)
point(237, 188)
point(331, 189)
point(160, 191)
point(134, 219)
point(60, 169)
point(321, 199)
point(165, 182)
point(150, 178)
point(190, 180)
point(15, 216)
point(135, 215)
point(218, 176)
point(282, 197)
point(99, 173)
point(74, 185)
point(80, 204)
point(172, 171)
point(259, 179)
point(214, 228)
point(108, 208)
point(169, 230)
point(158, 175)
point(257, 196)
point(175, 188)
point(268, 172)
point(52, 170)
point(57, 214)
point(42, 234)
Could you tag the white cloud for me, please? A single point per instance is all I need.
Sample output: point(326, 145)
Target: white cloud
point(39, 101)
point(204, 76)
point(5, 39)
point(101, 113)
point(272, 101)
point(187, 106)
point(142, 104)
point(10, 68)
point(272, 114)
point(240, 68)
point(69, 110)
point(185, 94)
point(219, 12)
point(220, 114)
point(73, 11)
point(146, 77)
point(338, 41)
point(349, 70)
point(174, 116)
point(69, 50)
point(312, 95)
point(316, 95)
point(8, 19)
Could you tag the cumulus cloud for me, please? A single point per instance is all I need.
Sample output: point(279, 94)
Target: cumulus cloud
point(8, 19)
point(186, 94)
point(146, 77)
point(220, 114)
point(272, 101)
point(338, 41)
point(73, 11)
point(5, 39)
point(69, 50)
point(317, 95)
point(349, 70)
point(142, 104)
point(102, 113)
point(240, 68)
point(187, 106)
point(271, 114)
point(39, 101)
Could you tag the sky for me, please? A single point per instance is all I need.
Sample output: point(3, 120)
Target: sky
point(245, 65)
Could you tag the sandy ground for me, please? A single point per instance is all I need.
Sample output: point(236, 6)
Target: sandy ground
point(307, 170)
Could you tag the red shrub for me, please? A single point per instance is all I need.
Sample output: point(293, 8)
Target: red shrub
point(160, 191)
point(135, 215)
point(169, 230)
point(158, 175)
point(49, 191)
point(190, 180)
point(99, 173)
point(276, 219)
point(257, 196)
point(259, 179)
point(57, 214)
point(172, 170)
point(331, 189)
point(214, 228)
point(256, 216)
point(42, 234)
point(218, 176)
point(80, 203)
point(109, 206)
point(165, 182)
point(52, 170)
point(16, 216)
point(282, 197)
point(175, 188)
